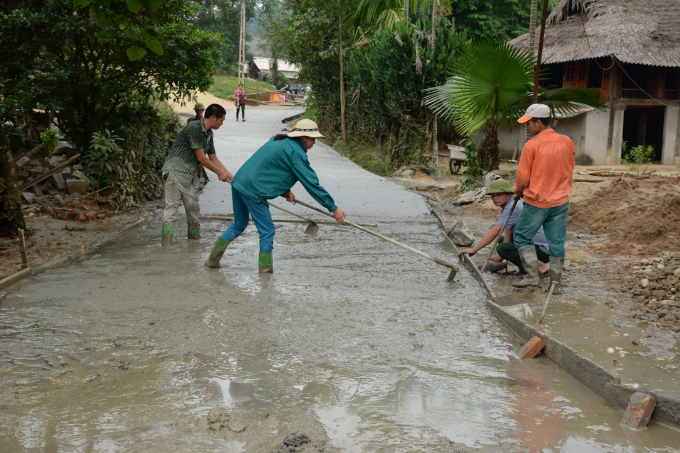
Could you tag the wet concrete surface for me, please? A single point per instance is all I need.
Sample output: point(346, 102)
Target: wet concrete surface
point(360, 344)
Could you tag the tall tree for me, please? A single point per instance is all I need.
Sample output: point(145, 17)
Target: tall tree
point(11, 217)
point(60, 63)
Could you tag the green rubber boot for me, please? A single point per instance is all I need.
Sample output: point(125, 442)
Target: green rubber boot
point(530, 264)
point(194, 232)
point(217, 252)
point(166, 238)
point(266, 263)
point(556, 266)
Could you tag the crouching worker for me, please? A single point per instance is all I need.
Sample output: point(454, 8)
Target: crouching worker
point(501, 195)
point(194, 147)
point(270, 173)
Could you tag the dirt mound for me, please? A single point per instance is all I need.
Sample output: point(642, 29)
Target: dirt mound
point(645, 211)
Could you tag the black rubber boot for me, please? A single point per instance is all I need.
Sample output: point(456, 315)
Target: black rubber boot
point(530, 264)
point(217, 252)
point(556, 266)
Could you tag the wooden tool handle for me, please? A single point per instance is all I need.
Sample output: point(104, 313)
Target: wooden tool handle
point(385, 238)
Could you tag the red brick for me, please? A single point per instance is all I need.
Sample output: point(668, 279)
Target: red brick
point(81, 217)
point(639, 410)
point(101, 216)
point(90, 214)
point(532, 347)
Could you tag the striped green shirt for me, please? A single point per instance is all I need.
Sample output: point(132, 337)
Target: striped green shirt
point(182, 160)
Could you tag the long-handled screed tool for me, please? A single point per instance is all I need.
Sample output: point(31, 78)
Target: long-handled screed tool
point(313, 228)
point(547, 300)
point(453, 267)
point(495, 241)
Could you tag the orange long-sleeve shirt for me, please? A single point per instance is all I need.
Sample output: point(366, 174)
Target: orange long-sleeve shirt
point(546, 168)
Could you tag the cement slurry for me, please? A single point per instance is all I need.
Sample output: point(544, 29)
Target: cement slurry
point(352, 340)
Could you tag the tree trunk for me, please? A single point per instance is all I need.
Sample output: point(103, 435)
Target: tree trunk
point(342, 81)
point(274, 66)
point(532, 26)
point(11, 217)
point(435, 141)
point(406, 15)
point(488, 151)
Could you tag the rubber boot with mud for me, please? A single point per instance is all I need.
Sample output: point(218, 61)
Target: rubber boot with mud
point(217, 252)
point(166, 238)
point(556, 266)
point(194, 233)
point(266, 263)
point(530, 264)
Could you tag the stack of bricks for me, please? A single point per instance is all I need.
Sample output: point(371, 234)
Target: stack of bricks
point(69, 179)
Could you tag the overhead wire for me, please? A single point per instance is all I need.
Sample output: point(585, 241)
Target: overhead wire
point(614, 62)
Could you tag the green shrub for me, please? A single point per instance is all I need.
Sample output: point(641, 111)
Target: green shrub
point(128, 162)
point(49, 140)
point(638, 158)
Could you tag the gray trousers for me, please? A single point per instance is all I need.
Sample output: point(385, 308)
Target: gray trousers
point(176, 193)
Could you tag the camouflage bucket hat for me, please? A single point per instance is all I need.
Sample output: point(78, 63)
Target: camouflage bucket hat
point(499, 186)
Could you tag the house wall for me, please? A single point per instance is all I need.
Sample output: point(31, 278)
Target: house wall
point(575, 129)
point(617, 136)
point(597, 130)
point(670, 134)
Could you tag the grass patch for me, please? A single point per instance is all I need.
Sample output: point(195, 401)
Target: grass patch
point(366, 156)
point(225, 86)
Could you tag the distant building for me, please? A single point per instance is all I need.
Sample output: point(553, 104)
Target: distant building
point(289, 70)
point(629, 51)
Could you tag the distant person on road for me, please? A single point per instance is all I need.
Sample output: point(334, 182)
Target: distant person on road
point(193, 147)
point(501, 195)
point(240, 101)
point(268, 174)
point(199, 109)
point(544, 178)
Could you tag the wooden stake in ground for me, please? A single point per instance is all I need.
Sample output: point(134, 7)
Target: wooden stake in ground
point(22, 248)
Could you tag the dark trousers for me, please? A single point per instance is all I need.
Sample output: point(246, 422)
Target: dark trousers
point(508, 251)
point(241, 107)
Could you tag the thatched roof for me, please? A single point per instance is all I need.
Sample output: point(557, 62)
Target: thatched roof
point(635, 31)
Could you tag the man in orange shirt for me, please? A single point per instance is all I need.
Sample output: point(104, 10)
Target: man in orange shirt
point(544, 178)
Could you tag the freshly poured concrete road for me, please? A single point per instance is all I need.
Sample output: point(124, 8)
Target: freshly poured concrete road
point(356, 191)
point(358, 343)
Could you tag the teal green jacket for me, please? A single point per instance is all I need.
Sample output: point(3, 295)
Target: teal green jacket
point(275, 168)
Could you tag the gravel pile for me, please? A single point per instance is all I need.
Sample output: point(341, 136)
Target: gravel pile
point(655, 284)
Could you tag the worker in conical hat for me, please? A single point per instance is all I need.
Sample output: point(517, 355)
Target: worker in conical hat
point(268, 174)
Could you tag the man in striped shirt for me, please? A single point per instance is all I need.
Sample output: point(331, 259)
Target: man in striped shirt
point(194, 147)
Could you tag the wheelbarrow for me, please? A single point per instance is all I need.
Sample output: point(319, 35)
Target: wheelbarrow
point(456, 158)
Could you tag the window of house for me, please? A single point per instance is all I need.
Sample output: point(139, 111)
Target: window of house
point(582, 71)
point(570, 71)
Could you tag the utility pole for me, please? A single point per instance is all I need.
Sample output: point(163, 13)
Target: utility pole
point(435, 142)
point(540, 50)
point(342, 80)
point(242, 46)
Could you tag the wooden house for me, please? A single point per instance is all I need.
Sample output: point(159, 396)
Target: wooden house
point(629, 51)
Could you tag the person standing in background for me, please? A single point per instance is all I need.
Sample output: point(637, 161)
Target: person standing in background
point(240, 101)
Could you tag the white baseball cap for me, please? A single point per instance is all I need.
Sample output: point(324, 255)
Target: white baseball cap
point(535, 111)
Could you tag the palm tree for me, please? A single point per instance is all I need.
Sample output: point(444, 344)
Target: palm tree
point(375, 13)
point(492, 84)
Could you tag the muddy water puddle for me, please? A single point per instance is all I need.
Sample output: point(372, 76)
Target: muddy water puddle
point(358, 343)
